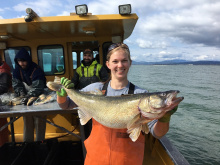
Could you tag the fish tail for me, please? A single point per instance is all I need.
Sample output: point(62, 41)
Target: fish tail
point(54, 86)
point(31, 101)
point(57, 79)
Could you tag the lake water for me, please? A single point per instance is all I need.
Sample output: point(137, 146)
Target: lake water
point(195, 127)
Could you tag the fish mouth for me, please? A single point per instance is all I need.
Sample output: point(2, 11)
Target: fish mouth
point(172, 99)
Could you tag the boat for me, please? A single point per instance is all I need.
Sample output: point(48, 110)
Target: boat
point(56, 44)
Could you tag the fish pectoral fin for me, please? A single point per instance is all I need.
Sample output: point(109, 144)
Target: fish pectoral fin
point(83, 116)
point(134, 128)
point(145, 128)
point(133, 121)
point(134, 133)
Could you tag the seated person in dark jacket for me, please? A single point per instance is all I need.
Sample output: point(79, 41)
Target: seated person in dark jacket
point(5, 86)
point(29, 81)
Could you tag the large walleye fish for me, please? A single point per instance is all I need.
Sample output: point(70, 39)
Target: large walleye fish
point(130, 111)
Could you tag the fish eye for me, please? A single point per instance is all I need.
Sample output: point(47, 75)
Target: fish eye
point(163, 94)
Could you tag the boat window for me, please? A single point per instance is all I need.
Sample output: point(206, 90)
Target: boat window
point(81, 56)
point(51, 59)
point(10, 54)
point(74, 55)
point(94, 55)
point(105, 51)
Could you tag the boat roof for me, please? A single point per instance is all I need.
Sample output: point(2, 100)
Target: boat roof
point(68, 26)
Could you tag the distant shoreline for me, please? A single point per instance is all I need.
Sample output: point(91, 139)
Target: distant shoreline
point(175, 62)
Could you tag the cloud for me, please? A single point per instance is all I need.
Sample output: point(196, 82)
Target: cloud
point(3, 10)
point(168, 55)
point(198, 24)
point(41, 7)
point(64, 13)
point(144, 44)
point(201, 57)
point(165, 29)
point(151, 45)
point(104, 7)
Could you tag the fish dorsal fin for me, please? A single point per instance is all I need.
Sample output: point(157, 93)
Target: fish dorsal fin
point(126, 95)
point(85, 92)
point(57, 79)
point(96, 92)
point(135, 127)
point(83, 116)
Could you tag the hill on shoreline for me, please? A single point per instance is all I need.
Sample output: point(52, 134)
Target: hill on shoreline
point(177, 62)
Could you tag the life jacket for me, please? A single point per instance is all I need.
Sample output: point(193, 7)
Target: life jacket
point(108, 146)
point(84, 81)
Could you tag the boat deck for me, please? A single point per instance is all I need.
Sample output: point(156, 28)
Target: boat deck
point(49, 152)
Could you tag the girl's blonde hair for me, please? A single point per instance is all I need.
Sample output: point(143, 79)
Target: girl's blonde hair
point(116, 47)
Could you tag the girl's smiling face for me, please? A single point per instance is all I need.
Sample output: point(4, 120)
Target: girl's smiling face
point(119, 64)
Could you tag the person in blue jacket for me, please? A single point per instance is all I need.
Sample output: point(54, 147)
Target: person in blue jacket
point(29, 81)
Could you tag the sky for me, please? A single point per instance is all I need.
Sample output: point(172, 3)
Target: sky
point(166, 29)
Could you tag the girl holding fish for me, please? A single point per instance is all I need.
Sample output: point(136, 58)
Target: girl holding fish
point(107, 145)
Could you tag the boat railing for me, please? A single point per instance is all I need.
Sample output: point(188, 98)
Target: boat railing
point(172, 151)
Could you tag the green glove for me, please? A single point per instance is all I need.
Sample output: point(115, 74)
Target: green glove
point(62, 93)
point(166, 117)
point(67, 84)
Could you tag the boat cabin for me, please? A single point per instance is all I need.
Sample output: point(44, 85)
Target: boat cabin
point(56, 44)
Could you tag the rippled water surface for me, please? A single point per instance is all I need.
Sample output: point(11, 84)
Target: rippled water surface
point(195, 127)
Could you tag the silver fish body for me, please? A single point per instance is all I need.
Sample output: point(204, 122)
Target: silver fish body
point(130, 111)
point(16, 100)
